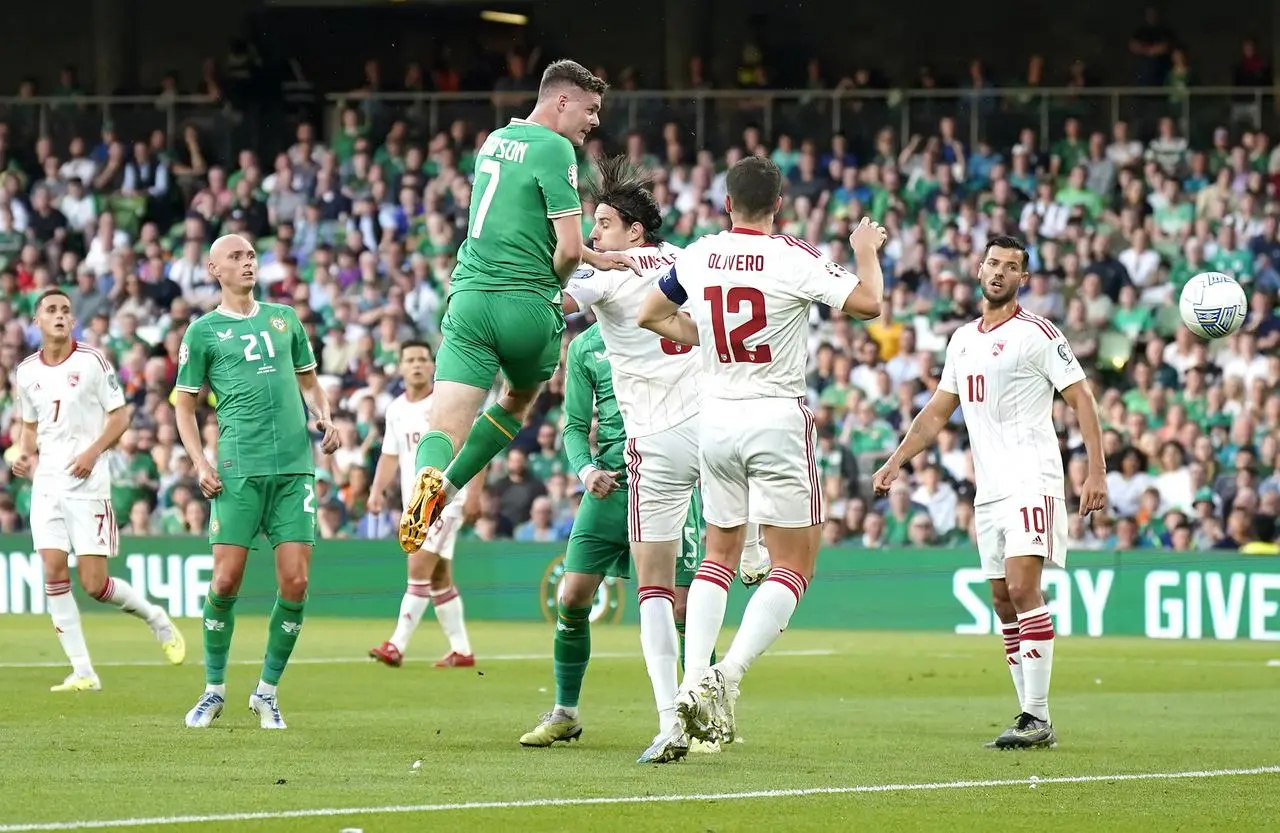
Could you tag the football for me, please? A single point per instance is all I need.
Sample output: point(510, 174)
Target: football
point(1213, 305)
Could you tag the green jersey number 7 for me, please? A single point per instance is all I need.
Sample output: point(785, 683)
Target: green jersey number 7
point(494, 171)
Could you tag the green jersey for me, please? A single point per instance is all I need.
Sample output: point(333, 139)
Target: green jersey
point(251, 364)
point(526, 175)
point(588, 387)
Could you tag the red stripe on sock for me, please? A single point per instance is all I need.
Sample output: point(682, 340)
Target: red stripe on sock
point(791, 580)
point(655, 592)
point(422, 591)
point(1035, 623)
point(444, 596)
point(60, 588)
point(717, 574)
point(107, 590)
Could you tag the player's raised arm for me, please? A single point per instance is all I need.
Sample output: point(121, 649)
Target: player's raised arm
point(867, 298)
point(660, 312)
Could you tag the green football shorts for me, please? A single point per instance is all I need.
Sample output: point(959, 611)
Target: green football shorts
point(484, 332)
point(598, 544)
point(282, 507)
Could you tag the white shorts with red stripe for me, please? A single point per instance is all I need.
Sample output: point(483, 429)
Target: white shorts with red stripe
point(662, 472)
point(443, 534)
point(759, 463)
point(84, 526)
point(1010, 527)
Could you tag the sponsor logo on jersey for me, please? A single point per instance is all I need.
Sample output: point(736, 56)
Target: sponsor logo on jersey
point(73, 379)
point(573, 175)
point(224, 335)
point(605, 608)
point(278, 324)
point(184, 353)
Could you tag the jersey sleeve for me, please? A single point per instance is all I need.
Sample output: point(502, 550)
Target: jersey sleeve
point(589, 287)
point(1053, 359)
point(557, 174)
point(109, 394)
point(579, 405)
point(821, 279)
point(304, 358)
point(193, 360)
point(949, 383)
point(27, 407)
point(391, 435)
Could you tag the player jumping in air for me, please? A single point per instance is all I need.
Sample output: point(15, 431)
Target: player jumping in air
point(524, 240)
point(598, 544)
point(430, 568)
point(659, 391)
point(257, 360)
point(72, 411)
point(1002, 371)
point(749, 293)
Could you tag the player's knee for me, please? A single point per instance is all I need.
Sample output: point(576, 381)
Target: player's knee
point(293, 585)
point(441, 576)
point(225, 583)
point(1024, 593)
point(517, 402)
point(56, 570)
point(94, 585)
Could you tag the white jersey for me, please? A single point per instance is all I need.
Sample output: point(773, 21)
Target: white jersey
point(406, 422)
point(750, 294)
point(1005, 378)
point(655, 381)
point(69, 403)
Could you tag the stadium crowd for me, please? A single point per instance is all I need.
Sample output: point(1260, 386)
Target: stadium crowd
point(358, 230)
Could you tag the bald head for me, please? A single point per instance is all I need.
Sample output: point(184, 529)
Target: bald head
point(233, 263)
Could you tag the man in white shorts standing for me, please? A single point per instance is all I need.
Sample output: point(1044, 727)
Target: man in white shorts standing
point(430, 568)
point(657, 384)
point(73, 410)
point(1002, 370)
point(749, 293)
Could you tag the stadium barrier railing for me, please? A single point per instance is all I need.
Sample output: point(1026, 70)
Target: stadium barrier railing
point(1154, 594)
point(717, 117)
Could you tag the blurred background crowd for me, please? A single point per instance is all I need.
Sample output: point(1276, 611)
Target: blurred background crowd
point(358, 214)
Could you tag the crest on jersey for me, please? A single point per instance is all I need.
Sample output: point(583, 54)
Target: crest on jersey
point(573, 175)
point(998, 348)
point(278, 324)
point(184, 353)
point(1064, 353)
point(73, 379)
point(113, 382)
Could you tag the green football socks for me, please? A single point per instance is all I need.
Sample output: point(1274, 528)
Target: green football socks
point(282, 635)
point(680, 632)
point(571, 652)
point(435, 449)
point(219, 625)
point(491, 433)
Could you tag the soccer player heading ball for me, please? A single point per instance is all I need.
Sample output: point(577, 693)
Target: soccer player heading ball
point(1002, 371)
point(504, 296)
point(258, 362)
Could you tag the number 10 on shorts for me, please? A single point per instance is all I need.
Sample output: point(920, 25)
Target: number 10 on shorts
point(1034, 519)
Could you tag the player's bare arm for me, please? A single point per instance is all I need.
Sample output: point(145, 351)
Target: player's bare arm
point(1093, 494)
point(383, 476)
point(25, 465)
point(117, 423)
point(923, 431)
point(661, 315)
point(184, 412)
point(867, 298)
point(318, 406)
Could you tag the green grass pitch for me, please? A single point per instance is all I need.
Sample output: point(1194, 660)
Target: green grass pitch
point(842, 731)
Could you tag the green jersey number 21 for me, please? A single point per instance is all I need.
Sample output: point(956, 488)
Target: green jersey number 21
point(251, 342)
point(494, 171)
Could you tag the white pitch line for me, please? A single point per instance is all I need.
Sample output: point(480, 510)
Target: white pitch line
point(147, 663)
point(156, 821)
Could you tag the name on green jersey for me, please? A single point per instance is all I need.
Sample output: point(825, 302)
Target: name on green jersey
point(506, 149)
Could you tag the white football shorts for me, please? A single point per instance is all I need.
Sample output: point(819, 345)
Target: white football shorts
point(662, 472)
point(84, 526)
point(759, 463)
point(1012, 527)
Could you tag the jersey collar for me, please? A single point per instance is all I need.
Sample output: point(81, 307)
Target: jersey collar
point(253, 310)
point(70, 353)
point(741, 230)
point(1017, 309)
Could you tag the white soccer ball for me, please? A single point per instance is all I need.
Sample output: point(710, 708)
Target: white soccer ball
point(1213, 305)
